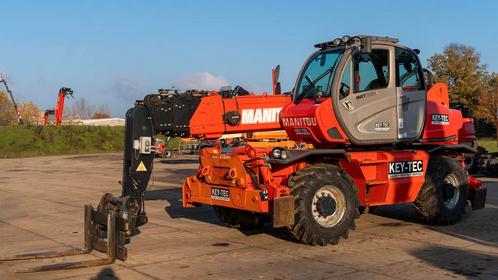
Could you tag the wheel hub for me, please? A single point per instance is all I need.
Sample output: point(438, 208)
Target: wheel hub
point(451, 191)
point(328, 206)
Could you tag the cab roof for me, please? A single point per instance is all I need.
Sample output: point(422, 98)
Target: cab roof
point(346, 40)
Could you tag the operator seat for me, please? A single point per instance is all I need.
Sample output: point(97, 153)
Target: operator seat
point(376, 84)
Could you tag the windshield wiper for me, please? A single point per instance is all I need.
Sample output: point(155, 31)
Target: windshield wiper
point(312, 84)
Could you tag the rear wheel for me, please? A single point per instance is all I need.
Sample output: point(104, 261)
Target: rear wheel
point(326, 204)
point(166, 154)
point(240, 219)
point(443, 197)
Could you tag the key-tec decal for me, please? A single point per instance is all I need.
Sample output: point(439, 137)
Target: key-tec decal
point(400, 169)
point(440, 119)
point(221, 194)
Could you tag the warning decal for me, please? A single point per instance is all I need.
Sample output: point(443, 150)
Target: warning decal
point(141, 167)
point(400, 169)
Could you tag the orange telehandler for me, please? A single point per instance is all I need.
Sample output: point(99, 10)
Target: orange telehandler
point(59, 109)
point(380, 136)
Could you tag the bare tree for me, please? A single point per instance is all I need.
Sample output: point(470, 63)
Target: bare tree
point(81, 109)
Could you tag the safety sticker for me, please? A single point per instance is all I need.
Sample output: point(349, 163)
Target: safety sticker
point(400, 169)
point(141, 167)
point(440, 119)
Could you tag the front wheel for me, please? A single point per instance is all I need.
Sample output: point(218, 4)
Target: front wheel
point(326, 204)
point(443, 197)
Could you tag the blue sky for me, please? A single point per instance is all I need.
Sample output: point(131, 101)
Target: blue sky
point(114, 52)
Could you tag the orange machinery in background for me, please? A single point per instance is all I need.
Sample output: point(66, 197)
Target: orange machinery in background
point(59, 109)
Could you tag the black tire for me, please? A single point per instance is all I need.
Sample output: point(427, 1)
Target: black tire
point(363, 210)
point(326, 204)
point(166, 154)
point(240, 219)
point(443, 197)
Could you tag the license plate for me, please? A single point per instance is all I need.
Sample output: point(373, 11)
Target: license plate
point(221, 194)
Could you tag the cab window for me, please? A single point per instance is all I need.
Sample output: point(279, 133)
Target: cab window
point(408, 72)
point(371, 70)
point(344, 87)
point(317, 74)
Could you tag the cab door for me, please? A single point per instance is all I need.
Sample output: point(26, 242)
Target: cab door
point(411, 95)
point(367, 99)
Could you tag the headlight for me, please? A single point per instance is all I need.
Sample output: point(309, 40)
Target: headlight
point(276, 153)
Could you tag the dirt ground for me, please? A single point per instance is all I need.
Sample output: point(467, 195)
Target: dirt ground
point(41, 208)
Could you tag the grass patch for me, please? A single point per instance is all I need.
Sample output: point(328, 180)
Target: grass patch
point(489, 144)
point(27, 141)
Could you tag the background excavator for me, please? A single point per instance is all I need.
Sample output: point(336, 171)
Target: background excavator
point(18, 114)
point(380, 136)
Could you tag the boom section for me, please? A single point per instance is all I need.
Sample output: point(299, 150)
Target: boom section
point(209, 115)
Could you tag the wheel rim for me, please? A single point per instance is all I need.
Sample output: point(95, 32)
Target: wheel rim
point(451, 191)
point(328, 206)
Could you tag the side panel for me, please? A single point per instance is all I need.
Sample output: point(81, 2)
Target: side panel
point(442, 124)
point(312, 122)
point(389, 177)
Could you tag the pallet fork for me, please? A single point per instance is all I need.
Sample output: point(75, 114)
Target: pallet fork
point(117, 218)
point(104, 231)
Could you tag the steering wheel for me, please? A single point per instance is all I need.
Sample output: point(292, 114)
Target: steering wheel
point(344, 90)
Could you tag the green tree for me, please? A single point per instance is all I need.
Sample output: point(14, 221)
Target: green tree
point(488, 100)
point(7, 113)
point(460, 67)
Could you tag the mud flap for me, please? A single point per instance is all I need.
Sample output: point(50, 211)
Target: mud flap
point(283, 211)
point(477, 197)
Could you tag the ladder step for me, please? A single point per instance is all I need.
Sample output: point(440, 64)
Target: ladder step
point(376, 182)
point(370, 161)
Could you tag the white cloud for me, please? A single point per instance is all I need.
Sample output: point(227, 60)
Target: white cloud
point(201, 80)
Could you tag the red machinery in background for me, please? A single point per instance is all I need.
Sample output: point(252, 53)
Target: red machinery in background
point(59, 109)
